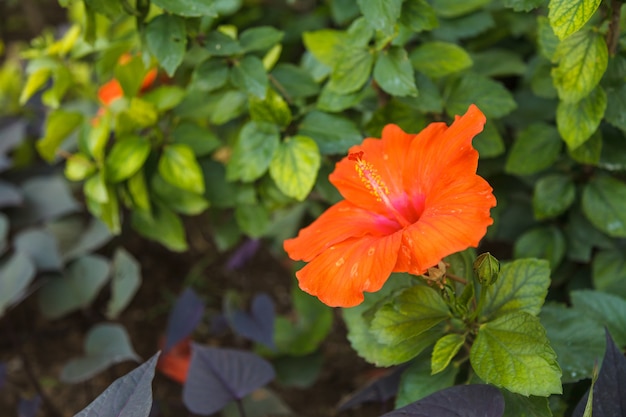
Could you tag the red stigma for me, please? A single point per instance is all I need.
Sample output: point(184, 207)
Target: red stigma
point(355, 156)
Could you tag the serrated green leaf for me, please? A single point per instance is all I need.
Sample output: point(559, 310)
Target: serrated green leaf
point(542, 242)
point(272, 109)
point(333, 134)
point(326, 45)
point(295, 165)
point(513, 352)
point(498, 63)
point(578, 121)
point(489, 142)
point(59, 125)
point(438, 59)
point(582, 237)
point(553, 195)
point(523, 5)
point(139, 114)
point(179, 167)
point(445, 350)
point(418, 382)
point(582, 60)
point(166, 39)
point(165, 97)
point(192, 8)
point(253, 220)
point(418, 15)
point(516, 405)
point(490, 96)
point(609, 271)
point(220, 44)
point(405, 323)
point(161, 225)
point(568, 16)
point(394, 73)
point(177, 199)
point(126, 157)
point(351, 71)
point(616, 107)
point(260, 38)
point(588, 153)
point(295, 80)
point(201, 141)
point(255, 147)
point(381, 14)
point(249, 75)
point(605, 309)
point(546, 39)
point(454, 8)
point(603, 204)
point(522, 286)
point(536, 148)
point(210, 75)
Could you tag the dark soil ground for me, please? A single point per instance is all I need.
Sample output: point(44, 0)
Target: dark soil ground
point(36, 349)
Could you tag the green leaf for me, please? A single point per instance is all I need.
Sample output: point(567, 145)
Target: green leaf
point(609, 272)
point(582, 237)
point(139, 114)
point(454, 8)
point(393, 72)
point(260, 38)
point(249, 75)
point(166, 38)
point(95, 188)
point(253, 220)
point(553, 195)
point(333, 134)
point(255, 147)
point(445, 350)
point(490, 96)
point(546, 39)
point(568, 16)
point(106, 344)
point(616, 107)
point(536, 148)
point(489, 143)
point(35, 81)
point(513, 352)
point(200, 140)
point(438, 59)
point(191, 8)
point(516, 405)
point(330, 101)
point(229, 105)
point(418, 382)
point(588, 153)
point(326, 45)
point(523, 5)
point(545, 242)
point(575, 337)
point(381, 14)
point(59, 125)
point(522, 286)
point(165, 97)
point(404, 323)
point(16, 274)
point(272, 109)
point(210, 75)
point(125, 282)
point(351, 71)
point(77, 288)
point(418, 15)
point(111, 9)
point(179, 167)
point(162, 225)
point(582, 58)
point(103, 203)
point(130, 75)
point(97, 138)
point(62, 82)
point(605, 309)
point(78, 167)
point(126, 157)
point(138, 190)
point(220, 44)
point(578, 121)
point(603, 204)
point(295, 165)
point(177, 199)
point(498, 63)
point(295, 80)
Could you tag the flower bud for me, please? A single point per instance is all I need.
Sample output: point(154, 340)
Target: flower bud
point(487, 269)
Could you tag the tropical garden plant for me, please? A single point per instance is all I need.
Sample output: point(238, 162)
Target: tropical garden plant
point(449, 175)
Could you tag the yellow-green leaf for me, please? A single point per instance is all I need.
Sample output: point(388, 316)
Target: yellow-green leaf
point(568, 16)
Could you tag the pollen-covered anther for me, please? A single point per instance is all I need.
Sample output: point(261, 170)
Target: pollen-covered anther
point(369, 176)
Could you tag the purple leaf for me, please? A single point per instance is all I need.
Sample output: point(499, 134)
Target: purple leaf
point(184, 318)
point(243, 254)
point(128, 396)
point(29, 408)
point(608, 391)
point(379, 390)
point(459, 401)
point(219, 376)
point(259, 324)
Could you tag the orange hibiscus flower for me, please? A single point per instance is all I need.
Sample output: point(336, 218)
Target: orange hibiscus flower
point(112, 90)
point(410, 200)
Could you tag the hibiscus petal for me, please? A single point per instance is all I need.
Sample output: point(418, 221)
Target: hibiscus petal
point(387, 156)
point(454, 219)
point(340, 222)
point(339, 275)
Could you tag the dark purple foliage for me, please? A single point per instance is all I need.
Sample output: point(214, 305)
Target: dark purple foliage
point(243, 254)
point(259, 324)
point(128, 396)
point(609, 391)
point(379, 390)
point(184, 318)
point(459, 401)
point(219, 376)
point(28, 408)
